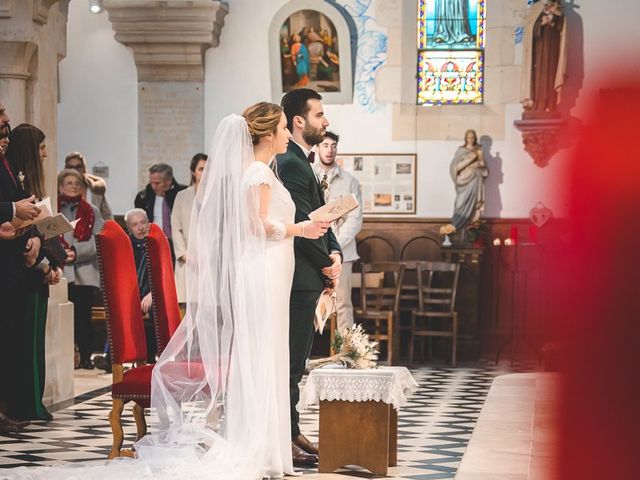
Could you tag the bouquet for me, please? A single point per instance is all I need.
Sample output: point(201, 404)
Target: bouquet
point(448, 229)
point(354, 350)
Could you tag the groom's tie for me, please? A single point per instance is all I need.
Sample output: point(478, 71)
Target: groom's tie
point(312, 156)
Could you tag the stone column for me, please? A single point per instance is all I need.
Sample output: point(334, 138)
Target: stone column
point(168, 39)
point(32, 41)
point(14, 73)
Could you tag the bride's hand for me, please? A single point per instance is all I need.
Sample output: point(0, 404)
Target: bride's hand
point(313, 230)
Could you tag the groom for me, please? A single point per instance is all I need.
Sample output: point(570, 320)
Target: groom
point(318, 262)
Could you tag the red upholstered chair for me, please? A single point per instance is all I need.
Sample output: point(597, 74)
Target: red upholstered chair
point(165, 309)
point(125, 331)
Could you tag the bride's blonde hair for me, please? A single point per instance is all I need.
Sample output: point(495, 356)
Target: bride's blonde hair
point(262, 119)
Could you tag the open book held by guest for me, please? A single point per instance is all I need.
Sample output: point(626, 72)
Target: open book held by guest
point(336, 209)
point(48, 225)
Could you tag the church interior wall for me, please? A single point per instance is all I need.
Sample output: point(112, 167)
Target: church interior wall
point(98, 104)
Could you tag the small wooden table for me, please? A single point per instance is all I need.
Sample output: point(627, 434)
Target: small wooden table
point(358, 415)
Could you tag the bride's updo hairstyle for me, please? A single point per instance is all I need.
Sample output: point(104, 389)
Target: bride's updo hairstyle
point(262, 119)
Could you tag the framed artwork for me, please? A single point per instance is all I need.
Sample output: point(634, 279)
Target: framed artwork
point(388, 181)
point(310, 46)
point(309, 52)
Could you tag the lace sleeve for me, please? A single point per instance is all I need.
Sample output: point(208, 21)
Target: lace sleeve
point(274, 230)
point(260, 174)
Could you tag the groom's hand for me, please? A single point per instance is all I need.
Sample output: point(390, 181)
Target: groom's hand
point(333, 272)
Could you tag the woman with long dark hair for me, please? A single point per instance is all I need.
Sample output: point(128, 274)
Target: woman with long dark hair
point(26, 154)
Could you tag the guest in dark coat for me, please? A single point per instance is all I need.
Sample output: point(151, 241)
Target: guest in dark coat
point(15, 261)
point(158, 197)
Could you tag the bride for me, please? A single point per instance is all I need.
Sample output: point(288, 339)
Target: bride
point(220, 390)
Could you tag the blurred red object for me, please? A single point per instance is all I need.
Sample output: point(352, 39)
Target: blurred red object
point(597, 295)
point(513, 234)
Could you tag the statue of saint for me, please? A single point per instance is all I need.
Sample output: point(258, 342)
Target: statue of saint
point(452, 22)
point(468, 172)
point(545, 56)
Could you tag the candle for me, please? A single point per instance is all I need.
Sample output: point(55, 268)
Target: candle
point(508, 242)
point(496, 242)
point(533, 234)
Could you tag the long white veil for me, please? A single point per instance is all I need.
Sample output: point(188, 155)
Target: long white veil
point(209, 385)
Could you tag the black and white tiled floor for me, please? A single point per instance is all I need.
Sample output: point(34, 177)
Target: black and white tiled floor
point(433, 431)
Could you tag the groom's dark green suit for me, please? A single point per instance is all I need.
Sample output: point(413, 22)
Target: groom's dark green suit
point(311, 257)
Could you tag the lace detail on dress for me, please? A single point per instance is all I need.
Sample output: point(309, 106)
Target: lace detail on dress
point(275, 230)
point(385, 384)
point(259, 174)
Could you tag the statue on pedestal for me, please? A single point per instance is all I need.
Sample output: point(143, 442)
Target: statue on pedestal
point(543, 76)
point(545, 56)
point(468, 172)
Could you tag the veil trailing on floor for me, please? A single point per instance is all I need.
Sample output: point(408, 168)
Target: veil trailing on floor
point(209, 383)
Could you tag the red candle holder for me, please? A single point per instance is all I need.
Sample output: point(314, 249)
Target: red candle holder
point(513, 234)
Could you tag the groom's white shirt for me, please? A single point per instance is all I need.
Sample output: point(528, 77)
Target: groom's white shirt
point(305, 150)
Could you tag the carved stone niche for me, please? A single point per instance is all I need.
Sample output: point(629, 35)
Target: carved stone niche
point(168, 38)
point(540, 132)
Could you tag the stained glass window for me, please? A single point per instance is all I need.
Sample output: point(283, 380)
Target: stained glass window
point(451, 36)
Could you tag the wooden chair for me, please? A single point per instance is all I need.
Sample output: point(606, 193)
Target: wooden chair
point(125, 331)
point(409, 300)
point(165, 309)
point(422, 248)
point(380, 303)
point(437, 286)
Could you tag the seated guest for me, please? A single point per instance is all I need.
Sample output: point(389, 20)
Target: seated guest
point(180, 217)
point(158, 197)
point(26, 154)
point(92, 184)
point(81, 269)
point(138, 226)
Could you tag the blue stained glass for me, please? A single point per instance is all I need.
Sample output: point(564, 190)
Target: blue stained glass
point(451, 36)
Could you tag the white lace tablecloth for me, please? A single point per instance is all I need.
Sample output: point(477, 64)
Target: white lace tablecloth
point(384, 384)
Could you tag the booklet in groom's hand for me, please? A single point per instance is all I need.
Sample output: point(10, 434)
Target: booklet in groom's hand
point(336, 209)
point(325, 307)
point(48, 225)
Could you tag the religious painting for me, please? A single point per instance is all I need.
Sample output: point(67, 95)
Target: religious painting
point(451, 36)
point(309, 52)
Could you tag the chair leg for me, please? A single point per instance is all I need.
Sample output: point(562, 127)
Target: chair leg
point(454, 339)
point(412, 337)
point(390, 338)
point(141, 422)
point(115, 420)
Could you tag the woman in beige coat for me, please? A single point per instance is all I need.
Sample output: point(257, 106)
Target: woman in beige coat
point(180, 216)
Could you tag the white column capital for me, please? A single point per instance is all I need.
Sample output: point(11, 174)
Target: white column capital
point(15, 59)
point(168, 38)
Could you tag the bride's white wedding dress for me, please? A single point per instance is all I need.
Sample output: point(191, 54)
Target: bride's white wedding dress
point(228, 419)
point(279, 267)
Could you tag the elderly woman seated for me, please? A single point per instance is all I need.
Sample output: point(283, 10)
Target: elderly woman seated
point(138, 226)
